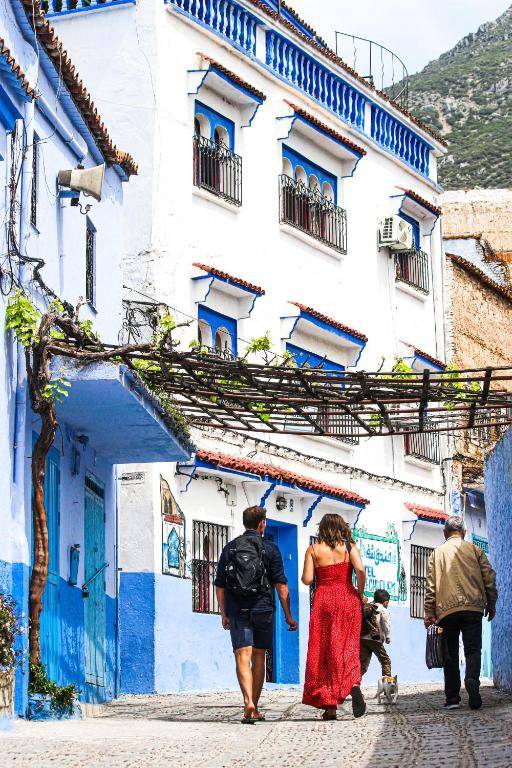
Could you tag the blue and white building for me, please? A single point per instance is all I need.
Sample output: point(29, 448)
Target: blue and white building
point(281, 193)
point(73, 245)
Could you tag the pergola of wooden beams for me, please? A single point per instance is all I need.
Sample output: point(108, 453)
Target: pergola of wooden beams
point(235, 394)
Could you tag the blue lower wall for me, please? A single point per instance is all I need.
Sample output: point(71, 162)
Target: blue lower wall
point(14, 580)
point(498, 503)
point(137, 632)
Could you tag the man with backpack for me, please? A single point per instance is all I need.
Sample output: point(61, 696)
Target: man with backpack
point(248, 570)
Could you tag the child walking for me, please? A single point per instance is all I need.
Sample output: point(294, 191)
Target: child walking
point(375, 631)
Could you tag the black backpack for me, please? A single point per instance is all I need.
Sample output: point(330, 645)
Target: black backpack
point(246, 575)
point(369, 626)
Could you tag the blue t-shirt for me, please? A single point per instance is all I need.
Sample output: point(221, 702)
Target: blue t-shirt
point(275, 572)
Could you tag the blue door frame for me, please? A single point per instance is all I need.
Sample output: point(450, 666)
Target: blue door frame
point(286, 644)
point(94, 577)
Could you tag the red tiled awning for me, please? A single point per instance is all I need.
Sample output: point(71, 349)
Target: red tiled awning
point(422, 201)
point(325, 128)
point(225, 276)
point(232, 76)
point(329, 321)
point(431, 514)
point(269, 472)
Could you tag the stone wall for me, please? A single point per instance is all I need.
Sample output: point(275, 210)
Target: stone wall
point(480, 211)
point(498, 492)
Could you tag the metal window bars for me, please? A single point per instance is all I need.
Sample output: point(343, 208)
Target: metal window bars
point(313, 213)
point(340, 426)
point(89, 265)
point(208, 541)
point(418, 586)
point(423, 446)
point(34, 187)
point(411, 267)
point(218, 169)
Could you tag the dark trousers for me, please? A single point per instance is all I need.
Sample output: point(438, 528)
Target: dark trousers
point(470, 624)
point(365, 656)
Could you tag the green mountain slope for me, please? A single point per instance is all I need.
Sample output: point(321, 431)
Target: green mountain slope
point(466, 96)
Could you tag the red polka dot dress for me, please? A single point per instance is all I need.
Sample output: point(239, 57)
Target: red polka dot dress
point(333, 666)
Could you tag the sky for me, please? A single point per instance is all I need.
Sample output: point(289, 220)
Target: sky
point(416, 30)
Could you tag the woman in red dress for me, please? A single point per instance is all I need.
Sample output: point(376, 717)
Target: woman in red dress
point(333, 670)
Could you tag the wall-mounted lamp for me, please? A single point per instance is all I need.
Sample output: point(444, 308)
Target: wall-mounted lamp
point(281, 503)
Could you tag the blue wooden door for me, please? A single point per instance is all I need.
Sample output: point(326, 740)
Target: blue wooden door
point(50, 620)
point(94, 577)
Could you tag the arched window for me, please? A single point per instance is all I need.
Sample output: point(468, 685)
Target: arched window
point(197, 127)
point(313, 183)
point(221, 136)
point(287, 168)
point(327, 191)
point(223, 341)
point(204, 334)
point(300, 175)
point(202, 126)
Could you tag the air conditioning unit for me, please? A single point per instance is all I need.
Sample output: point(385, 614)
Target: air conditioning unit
point(395, 233)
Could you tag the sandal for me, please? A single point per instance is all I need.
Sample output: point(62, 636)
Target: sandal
point(260, 716)
point(358, 702)
point(327, 715)
point(248, 720)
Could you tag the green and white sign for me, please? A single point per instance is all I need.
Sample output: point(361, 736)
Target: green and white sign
point(382, 560)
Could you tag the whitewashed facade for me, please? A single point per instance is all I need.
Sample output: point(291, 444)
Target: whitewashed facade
point(284, 106)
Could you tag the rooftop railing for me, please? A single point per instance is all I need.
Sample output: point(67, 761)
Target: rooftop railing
point(313, 213)
point(53, 7)
point(423, 446)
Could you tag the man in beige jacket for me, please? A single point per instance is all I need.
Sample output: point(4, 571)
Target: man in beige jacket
point(461, 589)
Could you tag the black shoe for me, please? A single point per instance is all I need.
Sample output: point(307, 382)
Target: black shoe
point(473, 689)
point(358, 702)
point(451, 705)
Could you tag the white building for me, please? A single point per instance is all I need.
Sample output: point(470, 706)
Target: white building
point(55, 242)
point(265, 166)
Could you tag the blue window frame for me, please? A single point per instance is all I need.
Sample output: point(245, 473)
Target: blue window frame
point(415, 228)
point(304, 357)
point(311, 169)
point(216, 120)
point(221, 326)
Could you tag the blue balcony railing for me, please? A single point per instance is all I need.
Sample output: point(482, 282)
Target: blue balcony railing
point(393, 135)
point(303, 71)
point(61, 7)
point(226, 18)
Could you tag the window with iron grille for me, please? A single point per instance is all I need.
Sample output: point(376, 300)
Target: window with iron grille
point(35, 182)
point(313, 213)
point(90, 266)
point(208, 541)
point(411, 267)
point(418, 580)
point(218, 169)
point(423, 446)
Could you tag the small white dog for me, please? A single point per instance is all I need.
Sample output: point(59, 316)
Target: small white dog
point(388, 690)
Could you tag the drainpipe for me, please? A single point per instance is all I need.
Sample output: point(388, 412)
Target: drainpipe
point(117, 686)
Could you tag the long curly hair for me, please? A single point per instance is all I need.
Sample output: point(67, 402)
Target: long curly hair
point(334, 530)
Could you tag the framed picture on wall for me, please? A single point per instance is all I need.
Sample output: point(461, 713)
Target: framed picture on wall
point(173, 534)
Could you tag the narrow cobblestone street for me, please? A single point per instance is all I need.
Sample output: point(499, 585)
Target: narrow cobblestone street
point(204, 730)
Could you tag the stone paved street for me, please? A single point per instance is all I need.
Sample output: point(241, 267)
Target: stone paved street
point(204, 730)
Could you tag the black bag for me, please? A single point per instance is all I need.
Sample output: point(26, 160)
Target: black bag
point(434, 655)
point(369, 625)
point(245, 570)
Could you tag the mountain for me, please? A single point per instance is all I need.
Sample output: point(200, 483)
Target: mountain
point(466, 96)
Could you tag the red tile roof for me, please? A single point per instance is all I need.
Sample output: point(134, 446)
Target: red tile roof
point(47, 37)
point(332, 56)
point(426, 355)
point(231, 278)
point(427, 513)
point(325, 128)
point(421, 200)
point(329, 321)
point(233, 76)
point(468, 266)
point(15, 71)
point(241, 464)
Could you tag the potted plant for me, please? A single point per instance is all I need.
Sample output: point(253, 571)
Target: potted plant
point(49, 701)
point(10, 656)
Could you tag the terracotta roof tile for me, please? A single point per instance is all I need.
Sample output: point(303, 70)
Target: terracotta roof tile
point(332, 56)
point(225, 276)
point(422, 201)
point(427, 513)
point(329, 321)
point(468, 266)
point(469, 236)
point(426, 355)
point(47, 37)
point(325, 128)
point(14, 70)
point(241, 464)
point(233, 76)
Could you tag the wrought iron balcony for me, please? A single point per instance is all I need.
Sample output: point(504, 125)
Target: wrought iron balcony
point(217, 169)
point(423, 446)
point(412, 268)
point(311, 212)
point(340, 426)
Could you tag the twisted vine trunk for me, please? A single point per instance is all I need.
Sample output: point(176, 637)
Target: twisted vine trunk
point(39, 376)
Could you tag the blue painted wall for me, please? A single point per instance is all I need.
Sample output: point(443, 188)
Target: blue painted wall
point(498, 495)
point(137, 632)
